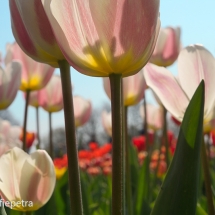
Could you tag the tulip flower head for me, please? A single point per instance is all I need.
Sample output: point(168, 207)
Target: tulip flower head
point(107, 122)
point(82, 110)
point(33, 98)
point(154, 116)
point(167, 47)
point(51, 97)
point(99, 38)
point(10, 134)
point(133, 88)
point(26, 178)
point(33, 32)
point(10, 79)
point(34, 75)
point(194, 64)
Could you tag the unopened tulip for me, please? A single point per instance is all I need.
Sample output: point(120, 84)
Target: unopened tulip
point(154, 116)
point(33, 98)
point(51, 97)
point(82, 110)
point(133, 88)
point(194, 64)
point(9, 136)
point(107, 122)
point(34, 75)
point(99, 38)
point(33, 32)
point(29, 179)
point(167, 47)
point(9, 83)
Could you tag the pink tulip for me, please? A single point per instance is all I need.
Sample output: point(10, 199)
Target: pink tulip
point(82, 110)
point(33, 32)
point(154, 116)
point(9, 83)
point(26, 178)
point(133, 88)
point(51, 97)
point(34, 75)
point(107, 122)
point(9, 135)
point(167, 47)
point(99, 38)
point(33, 98)
point(194, 64)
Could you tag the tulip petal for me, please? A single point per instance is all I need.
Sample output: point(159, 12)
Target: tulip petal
point(194, 64)
point(33, 32)
point(103, 37)
point(26, 177)
point(163, 83)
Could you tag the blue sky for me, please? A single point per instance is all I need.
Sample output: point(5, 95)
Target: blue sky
point(195, 17)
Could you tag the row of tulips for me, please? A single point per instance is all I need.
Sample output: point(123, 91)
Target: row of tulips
point(112, 39)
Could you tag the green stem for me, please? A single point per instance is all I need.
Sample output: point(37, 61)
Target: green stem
point(127, 166)
point(118, 152)
point(28, 213)
point(73, 168)
point(38, 127)
point(25, 120)
point(165, 137)
point(147, 159)
point(50, 136)
point(207, 179)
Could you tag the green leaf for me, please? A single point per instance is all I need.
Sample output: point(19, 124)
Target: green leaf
point(178, 194)
point(2, 210)
point(200, 211)
point(142, 205)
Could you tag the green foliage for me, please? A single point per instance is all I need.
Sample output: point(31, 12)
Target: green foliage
point(178, 194)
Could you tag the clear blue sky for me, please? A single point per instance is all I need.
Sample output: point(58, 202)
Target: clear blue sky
point(195, 17)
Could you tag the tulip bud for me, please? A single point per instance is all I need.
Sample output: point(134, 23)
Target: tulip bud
point(133, 88)
point(82, 110)
point(167, 47)
point(107, 122)
point(9, 83)
point(51, 97)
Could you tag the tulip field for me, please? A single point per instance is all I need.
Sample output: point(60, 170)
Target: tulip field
point(164, 164)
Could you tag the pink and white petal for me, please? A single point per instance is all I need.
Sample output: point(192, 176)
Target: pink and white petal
point(39, 29)
point(40, 178)
point(13, 70)
point(76, 35)
point(106, 84)
point(11, 164)
point(194, 64)
point(163, 83)
point(125, 23)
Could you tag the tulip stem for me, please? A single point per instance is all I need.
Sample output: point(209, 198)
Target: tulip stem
point(38, 127)
point(165, 138)
point(207, 179)
point(25, 120)
point(147, 160)
point(118, 141)
point(127, 167)
point(50, 136)
point(73, 168)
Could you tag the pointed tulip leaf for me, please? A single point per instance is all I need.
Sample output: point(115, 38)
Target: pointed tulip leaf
point(2, 210)
point(178, 194)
